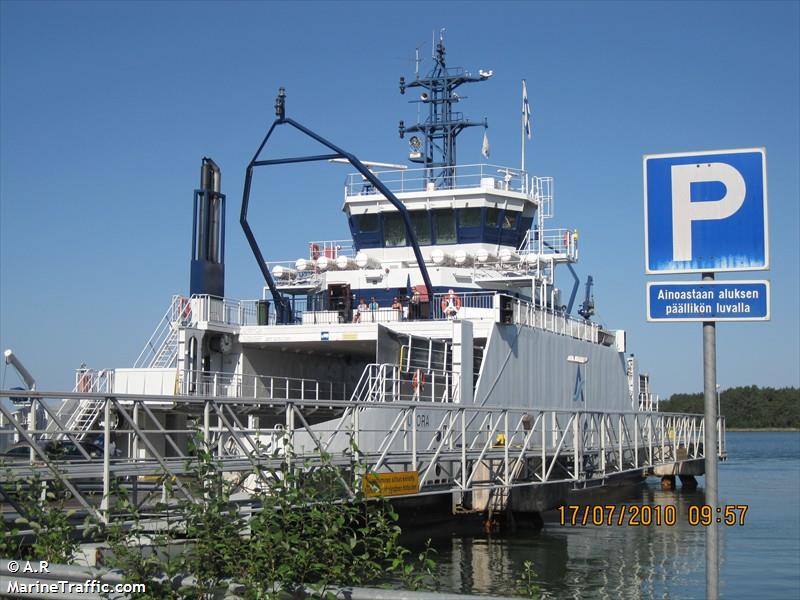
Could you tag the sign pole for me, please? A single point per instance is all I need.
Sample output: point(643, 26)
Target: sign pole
point(710, 451)
point(689, 229)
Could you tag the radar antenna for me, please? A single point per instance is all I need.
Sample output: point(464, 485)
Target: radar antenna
point(437, 150)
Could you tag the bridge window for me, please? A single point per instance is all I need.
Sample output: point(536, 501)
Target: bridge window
point(510, 220)
point(469, 225)
point(421, 222)
point(492, 218)
point(367, 223)
point(394, 231)
point(469, 217)
point(444, 225)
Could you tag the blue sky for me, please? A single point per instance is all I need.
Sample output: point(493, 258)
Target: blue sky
point(107, 108)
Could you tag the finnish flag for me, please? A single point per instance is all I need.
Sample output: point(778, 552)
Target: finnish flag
point(526, 110)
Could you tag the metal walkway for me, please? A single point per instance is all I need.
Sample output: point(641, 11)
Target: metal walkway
point(452, 447)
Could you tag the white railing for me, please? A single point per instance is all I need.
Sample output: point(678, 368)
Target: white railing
point(378, 315)
point(464, 305)
point(394, 383)
point(287, 275)
point(648, 401)
point(94, 380)
point(485, 305)
point(331, 249)
point(471, 305)
point(160, 344)
point(464, 176)
point(224, 311)
point(550, 243)
point(263, 387)
point(77, 414)
point(526, 313)
point(542, 188)
point(453, 447)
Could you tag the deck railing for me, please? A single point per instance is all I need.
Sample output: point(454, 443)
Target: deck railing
point(265, 387)
point(485, 176)
point(550, 243)
point(393, 383)
point(470, 305)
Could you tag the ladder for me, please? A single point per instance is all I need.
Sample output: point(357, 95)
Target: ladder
point(81, 420)
point(79, 416)
point(161, 350)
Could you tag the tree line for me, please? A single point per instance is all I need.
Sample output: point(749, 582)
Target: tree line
point(746, 407)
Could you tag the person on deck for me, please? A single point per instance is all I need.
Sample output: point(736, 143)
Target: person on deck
point(360, 310)
point(413, 309)
point(398, 307)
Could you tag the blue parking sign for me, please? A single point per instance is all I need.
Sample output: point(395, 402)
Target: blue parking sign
point(706, 211)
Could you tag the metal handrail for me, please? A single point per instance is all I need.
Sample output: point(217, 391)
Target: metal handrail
point(478, 447)
point(264, 387)
point(464, 176)
point(549, 242)
point(481, 305)
point(178, 312)
point(394, 383)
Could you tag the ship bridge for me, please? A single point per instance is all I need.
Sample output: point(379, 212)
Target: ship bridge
point(482, 204)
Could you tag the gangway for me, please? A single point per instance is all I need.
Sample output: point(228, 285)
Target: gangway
point(453, 447)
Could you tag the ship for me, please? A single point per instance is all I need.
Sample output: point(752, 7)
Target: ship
point(433, 345)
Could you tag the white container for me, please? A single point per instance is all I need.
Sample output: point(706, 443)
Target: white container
point(439, 257)
point(460, 257)
point(483, 255)
point(281, 272)
point(304, 264)
point(507, 255)
point(345, 262)
point(363, 260)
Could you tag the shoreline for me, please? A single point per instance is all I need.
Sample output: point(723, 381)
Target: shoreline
point(754, 429)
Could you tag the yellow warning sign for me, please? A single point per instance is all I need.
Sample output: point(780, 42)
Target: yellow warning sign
point(391, 484)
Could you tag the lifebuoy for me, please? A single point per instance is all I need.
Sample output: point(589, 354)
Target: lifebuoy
point(315, 251)
point(446, 301)
point(419, 379)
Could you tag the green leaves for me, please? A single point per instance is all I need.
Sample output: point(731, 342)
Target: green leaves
point(527, 584)
point(55, 537)
point(298, 530)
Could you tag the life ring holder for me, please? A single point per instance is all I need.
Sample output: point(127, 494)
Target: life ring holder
point(84, 381)
point(446, 301)
point(184, 309)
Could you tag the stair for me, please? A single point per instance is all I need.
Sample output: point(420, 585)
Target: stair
point(84, 417)
point(80, 415)
point(161, 350)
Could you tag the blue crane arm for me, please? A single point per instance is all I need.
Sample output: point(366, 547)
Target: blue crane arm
point(282, 306)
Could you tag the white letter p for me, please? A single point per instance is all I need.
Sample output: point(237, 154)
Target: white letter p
point(684, 211)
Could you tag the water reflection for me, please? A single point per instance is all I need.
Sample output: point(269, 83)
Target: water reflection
point(758, 560)
point(585, 561)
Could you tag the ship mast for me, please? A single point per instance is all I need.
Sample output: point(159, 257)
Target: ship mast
point(437, 149)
